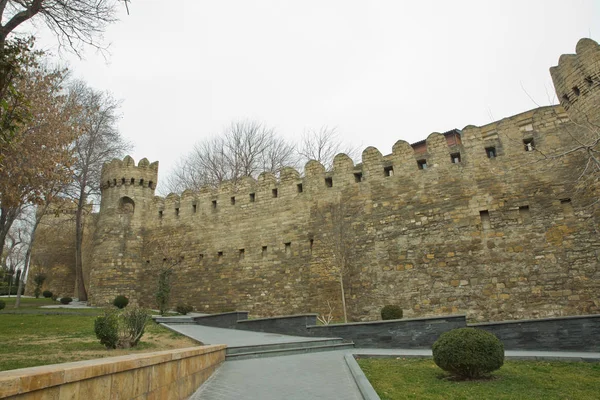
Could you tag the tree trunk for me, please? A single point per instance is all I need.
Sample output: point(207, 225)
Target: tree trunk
point(343, 297)
point(7, 217)
point(81, 292)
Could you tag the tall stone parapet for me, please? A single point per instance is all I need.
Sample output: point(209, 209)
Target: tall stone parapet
point(127, 196)
point(577, 82)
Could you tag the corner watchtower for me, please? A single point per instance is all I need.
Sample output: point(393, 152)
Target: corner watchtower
point(577, 82)
point(127, 195)
point(123, 183)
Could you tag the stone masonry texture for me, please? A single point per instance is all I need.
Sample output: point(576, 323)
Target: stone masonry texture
point(502, 233)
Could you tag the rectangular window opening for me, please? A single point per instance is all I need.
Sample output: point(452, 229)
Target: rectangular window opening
point(233, 200)
point(524, 213)
point(274, 193)
point(242, 253)
point(329, 182)
point(528, 144)
point(264, 251)
point(358, 177)
point(484, 215)
point(310, 246)
point(299, 188)
point(491, 152)
point(288, 248)
point(455, 157)
point(194, 208)
point(214, 204)
point(160, 214)
point(252, 197)
point(567, 207)
point(177, 212)
point(388, 171)
point(422, 164)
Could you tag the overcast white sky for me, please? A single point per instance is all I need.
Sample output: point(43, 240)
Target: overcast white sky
point(379, 71)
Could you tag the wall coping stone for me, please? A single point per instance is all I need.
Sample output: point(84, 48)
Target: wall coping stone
point(389, 321)
point(279, 317)
point(521, 321)
point(24, 380)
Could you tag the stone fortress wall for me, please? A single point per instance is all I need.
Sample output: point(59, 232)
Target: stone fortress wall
point(467, 221)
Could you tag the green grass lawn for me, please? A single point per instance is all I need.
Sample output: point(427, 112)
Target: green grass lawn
point(417, 378)
point(32, 336)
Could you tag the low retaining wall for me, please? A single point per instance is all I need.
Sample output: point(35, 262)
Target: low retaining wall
point(286, 325)
point(577, 333)
point(172, 374)
point(397, 333)
point(227, 320)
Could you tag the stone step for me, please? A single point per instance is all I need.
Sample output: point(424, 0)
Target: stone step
point(284, 345)
point(288, 351)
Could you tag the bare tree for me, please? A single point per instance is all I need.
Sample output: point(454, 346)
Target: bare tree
point(246, 148)
point(323, 145)
point(337, 236)
point(99, 143)
point(74, 22)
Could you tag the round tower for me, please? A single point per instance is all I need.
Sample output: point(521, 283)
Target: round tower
point(127, 194)
point(577, 83)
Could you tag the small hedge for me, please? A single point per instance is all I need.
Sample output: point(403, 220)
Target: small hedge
point(183, 309)
point(121, 329)
point(66, 300)
point(47, 294)
point(120, 301)
point(4, 290)
point(468, 353)
point(2, 304)
point(391, 312)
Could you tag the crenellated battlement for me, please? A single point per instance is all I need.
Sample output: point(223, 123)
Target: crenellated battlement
point(124, 172)
point(440, 156)
point(577, 81)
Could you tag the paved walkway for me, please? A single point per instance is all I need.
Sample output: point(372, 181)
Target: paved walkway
point(306, 376)
point(298, 377)
point(234, 338)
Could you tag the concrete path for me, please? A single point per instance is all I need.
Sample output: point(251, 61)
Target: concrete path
point(234, 338)
point(299, 377)
point(323, 375)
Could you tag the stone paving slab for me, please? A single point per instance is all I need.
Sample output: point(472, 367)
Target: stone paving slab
point(298, 377)
point(235, 338)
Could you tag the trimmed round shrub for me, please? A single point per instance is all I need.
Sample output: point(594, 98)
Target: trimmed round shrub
point(183, 309)
point(391, 312)
point(120, 301)
point(47, 294)
point(2, 304)
point(66, 300)
point(468, 353)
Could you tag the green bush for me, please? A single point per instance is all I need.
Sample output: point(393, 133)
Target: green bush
point(468, 353)
point(47, 294)
point(66, 300)
point(183, 309)
point(39, 280)
point(106, 327)
point(134, 320)
point(2, 304)
point(6, 291)
point(122, 330)
point(391, 312)
point(120, 301)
